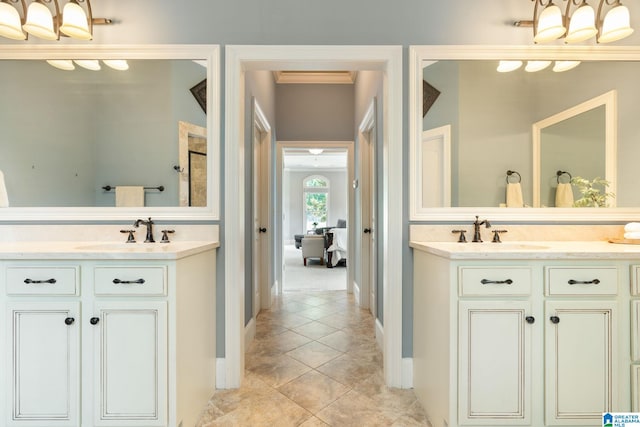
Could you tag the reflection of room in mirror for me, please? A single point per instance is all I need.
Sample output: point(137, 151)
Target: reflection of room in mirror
point(192, 152)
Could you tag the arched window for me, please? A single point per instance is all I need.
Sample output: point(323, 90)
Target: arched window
point(315, 201)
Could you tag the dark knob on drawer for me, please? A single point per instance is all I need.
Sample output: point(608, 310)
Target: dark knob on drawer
point(69, 321)
point(30, 281)
point(94, 320)
point(584, 282)
point(554, 319)
point(128, 282)
point(530, 319)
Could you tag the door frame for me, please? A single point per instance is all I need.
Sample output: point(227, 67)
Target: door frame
point(347, 146)
point(238, 60)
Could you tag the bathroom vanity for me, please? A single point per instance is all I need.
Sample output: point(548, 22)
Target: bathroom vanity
point(531, 333)
point(106, 333)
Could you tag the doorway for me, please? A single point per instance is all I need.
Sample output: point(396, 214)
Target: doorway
point(388, 60)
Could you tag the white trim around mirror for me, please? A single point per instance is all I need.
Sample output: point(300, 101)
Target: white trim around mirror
point(420, 56)
point(207, 53)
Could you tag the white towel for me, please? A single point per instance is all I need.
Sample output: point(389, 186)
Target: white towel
point(4, 198)
point(129, 196)
point(632, 226)
point(632, 235)
point(514, 195)
point(564, 195)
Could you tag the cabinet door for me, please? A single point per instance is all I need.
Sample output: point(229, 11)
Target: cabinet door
point(494, 370)
point(130, 363)
point(580, 361)
point(43, 360)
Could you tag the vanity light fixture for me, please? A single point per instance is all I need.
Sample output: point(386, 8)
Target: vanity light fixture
point(550, 24)
point(533, 66)
point(89, 64)
point(561, 66)
point(38, 20)
point(508, 66)
point(117, 64)
point(63, 64)
point(315, 151)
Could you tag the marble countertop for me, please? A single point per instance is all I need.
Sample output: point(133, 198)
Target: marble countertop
point(46, 250)
point(530, 250)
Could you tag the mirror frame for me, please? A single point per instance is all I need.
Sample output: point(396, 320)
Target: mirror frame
point(208, 53)
point(609, 100)
point(420, 55)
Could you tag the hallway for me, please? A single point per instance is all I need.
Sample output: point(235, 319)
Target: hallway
point(314, 362)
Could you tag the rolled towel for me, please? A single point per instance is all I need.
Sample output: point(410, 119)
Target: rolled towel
point(632, 226)
point(4, 197)
point(514, 195)
point(632, 235)
point(129, 196)
point(564, 195)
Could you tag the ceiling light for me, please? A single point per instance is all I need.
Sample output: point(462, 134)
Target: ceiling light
point(89, 64)
point(315, 151)
point(117, 64)
point(582, 24)
point(39, 21)
point(533, 66)
point(75, 22)
point(616, 24)
point(561, 66)
point(63, 64)
point(10, 21)
point(507, 66)
point(551, 24)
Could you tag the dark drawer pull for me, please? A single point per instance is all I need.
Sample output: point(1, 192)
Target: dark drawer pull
point(94, 320)
point(69, 321)
point(30, 281)
point(583, 282)
point(128, 282)
point(496, 282)
point(554, 319)
point(530, 320)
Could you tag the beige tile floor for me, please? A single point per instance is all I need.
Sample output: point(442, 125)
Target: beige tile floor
point(314, 362)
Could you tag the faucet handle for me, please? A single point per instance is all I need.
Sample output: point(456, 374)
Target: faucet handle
point(130, 238)
point(165, 237)
point(462, 238)
point(496, 235)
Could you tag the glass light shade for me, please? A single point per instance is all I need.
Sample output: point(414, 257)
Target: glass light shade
point(616, 25)
point(63, 64)
point(117, 64)
point(74, 22)
point(40, 22)
point(10, 25)
point(315, 151)
point(561, 66)
point(549, 25)
point(507, 66)
point(582, 25)
point(533, 66)
point(89, 64)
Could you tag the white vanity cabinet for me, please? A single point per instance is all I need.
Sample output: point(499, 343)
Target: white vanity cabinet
point(520, 340)
point(112, 342)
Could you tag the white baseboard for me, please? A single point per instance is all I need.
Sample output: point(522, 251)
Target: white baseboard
point(249, 332)
point(379, 334)
point(407, 372)
point(221, 378)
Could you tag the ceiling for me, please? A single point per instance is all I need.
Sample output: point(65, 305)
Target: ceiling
point(301, 159)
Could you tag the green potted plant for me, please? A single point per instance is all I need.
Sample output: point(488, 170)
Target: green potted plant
point(594, 194)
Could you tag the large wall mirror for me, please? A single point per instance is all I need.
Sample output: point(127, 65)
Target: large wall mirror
point(493, 117)
point(110, 144)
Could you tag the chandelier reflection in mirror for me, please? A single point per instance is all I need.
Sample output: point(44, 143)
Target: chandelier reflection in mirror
point(45, 20)
point(612, 22)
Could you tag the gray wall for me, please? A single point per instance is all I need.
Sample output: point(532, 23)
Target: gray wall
point(295, 22)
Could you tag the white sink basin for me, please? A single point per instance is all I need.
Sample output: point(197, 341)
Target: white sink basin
point(119, 246)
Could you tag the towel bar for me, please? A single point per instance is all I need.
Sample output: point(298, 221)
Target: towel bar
point(560, 173)
point(511, 173)
point(109, 188)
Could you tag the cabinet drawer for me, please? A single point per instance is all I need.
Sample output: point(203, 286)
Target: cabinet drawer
point(582, 280)
point(138, 280)
point(42, 280)
point(506, 281)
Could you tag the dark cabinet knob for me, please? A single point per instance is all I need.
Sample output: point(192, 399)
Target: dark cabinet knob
point(262, 230)
point(94, 320)
point(555, 320)
point(367, 230)
point(69, 321)
point(530, 319)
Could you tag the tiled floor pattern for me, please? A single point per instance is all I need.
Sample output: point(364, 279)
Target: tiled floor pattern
point(314, 362)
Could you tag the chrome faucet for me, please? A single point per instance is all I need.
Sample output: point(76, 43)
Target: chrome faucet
point(476, 228)
point(149, 224)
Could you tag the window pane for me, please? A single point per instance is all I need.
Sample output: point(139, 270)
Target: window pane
point(315, 182)
point(315, 209)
